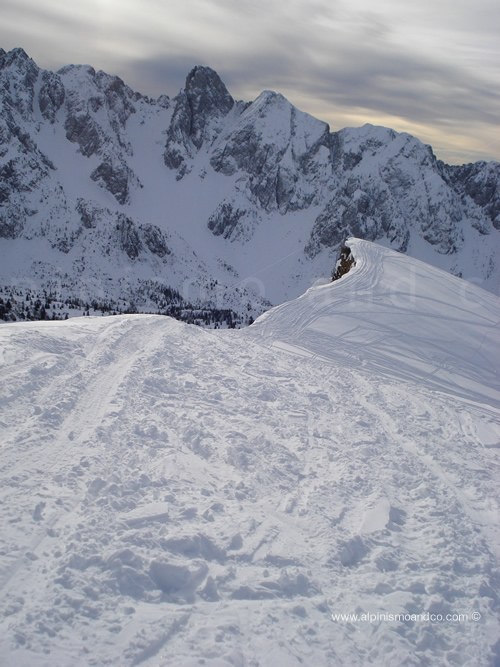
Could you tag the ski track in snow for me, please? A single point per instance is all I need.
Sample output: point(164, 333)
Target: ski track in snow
point(177, 496)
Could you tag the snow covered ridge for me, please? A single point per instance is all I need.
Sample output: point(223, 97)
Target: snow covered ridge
point(205, 207)
point(320, 488)
point(389, 306)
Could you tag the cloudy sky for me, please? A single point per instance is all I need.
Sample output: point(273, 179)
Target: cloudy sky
point(428, 67)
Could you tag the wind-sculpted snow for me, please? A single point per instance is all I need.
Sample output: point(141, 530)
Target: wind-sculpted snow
point(177, 496)
point(444, 331)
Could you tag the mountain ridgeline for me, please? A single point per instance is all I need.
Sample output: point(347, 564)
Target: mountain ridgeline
point(208, 208)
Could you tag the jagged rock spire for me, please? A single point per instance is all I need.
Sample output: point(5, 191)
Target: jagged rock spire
point(206, 93)
point(199, 107)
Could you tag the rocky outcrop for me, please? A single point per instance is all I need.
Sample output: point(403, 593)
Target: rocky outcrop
point(199, 110)
point(24, 169)
point(89, 212)
point(344, 263)
point(114, 177)
point(480, 182)
point(12, 218)
point(128, 236)
point(97, 108)
point(19, 75)
point(155, 240)
point(232, 222)
point(133, 237)
point(51, 96)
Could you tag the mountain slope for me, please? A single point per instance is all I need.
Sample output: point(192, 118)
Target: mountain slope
point(110, 198)
point(173, 495)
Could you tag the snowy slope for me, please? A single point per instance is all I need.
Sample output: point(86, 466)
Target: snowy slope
point(179, 496)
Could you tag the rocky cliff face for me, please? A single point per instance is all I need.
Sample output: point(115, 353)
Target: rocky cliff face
point(478, 183)
point(97, 107)
point(199, 112)
point(390, 186)
point(232, 205)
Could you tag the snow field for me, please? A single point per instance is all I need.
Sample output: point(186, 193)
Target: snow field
point(178, 496)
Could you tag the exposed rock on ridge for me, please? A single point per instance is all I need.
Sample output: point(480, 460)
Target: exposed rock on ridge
point(344, 263)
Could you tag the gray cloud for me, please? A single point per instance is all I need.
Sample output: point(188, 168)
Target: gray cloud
point(400, 85)
point(424, 67)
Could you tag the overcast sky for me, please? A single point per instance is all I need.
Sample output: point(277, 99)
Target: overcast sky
point(428, 67)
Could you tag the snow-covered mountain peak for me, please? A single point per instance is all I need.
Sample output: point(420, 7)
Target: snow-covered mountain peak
point(276, 119)
point(260, 191)
point(377, 145)
point(17, 59)
point(269, 98)
point(18, 76)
